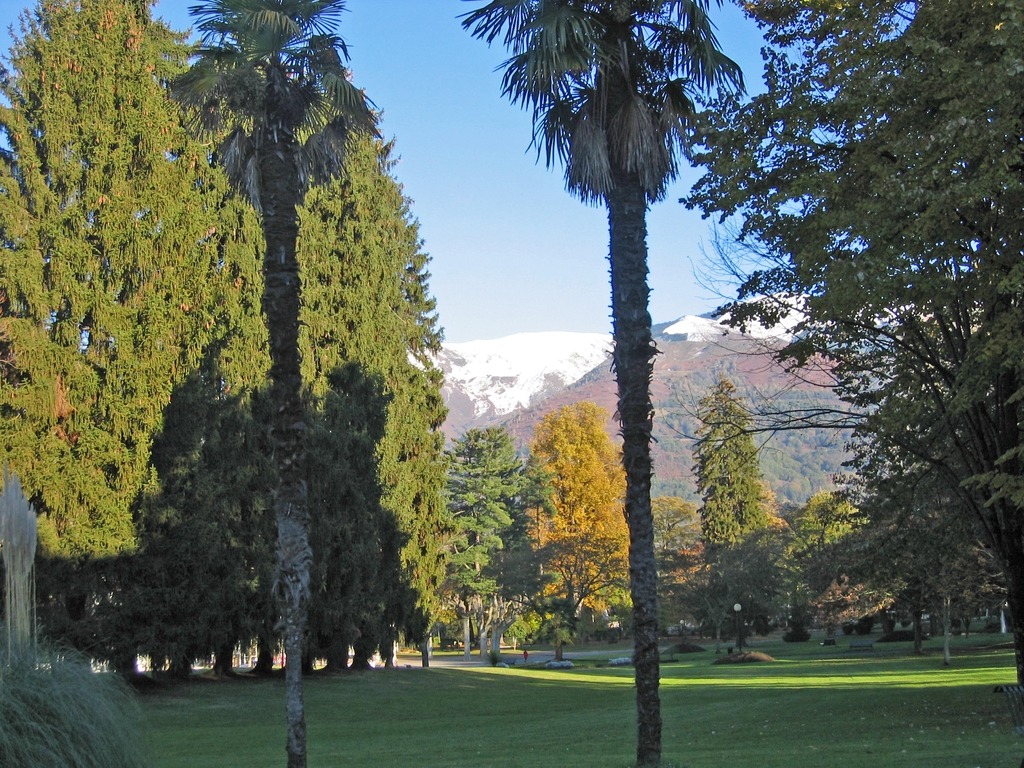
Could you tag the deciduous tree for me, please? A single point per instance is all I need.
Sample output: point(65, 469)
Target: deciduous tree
point(879, 177)
point(586, 539)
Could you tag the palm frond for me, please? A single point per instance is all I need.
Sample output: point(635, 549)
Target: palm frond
point(637, 141)
point(326, 53)
point(687, 40)
point(589, 170)
point(552, 133)
point(676, 109)
point(508, 16)
point(194, 87)
point(237, 156)
point(571, 61)
point(216, 92)
point(321, 156)
point(348, 101)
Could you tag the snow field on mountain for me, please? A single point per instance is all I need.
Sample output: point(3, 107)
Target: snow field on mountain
point(501, 375)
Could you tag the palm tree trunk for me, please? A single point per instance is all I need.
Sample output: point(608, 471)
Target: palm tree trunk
point(281, 296)
point(633, 360)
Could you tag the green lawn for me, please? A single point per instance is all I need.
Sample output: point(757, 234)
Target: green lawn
point(813, 707)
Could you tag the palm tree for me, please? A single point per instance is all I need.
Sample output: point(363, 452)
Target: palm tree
point(270, 82)
point(611, 85)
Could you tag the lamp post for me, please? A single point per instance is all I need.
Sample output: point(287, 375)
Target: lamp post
point(739, 624)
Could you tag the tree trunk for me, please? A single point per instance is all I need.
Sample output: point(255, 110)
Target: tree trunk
point(497, 632)
point(1013, 570)
point(179, 668)
point(917, 631)
point(947, 621)
point(223, 661)
point(337, 653)
point(482, 638)
point(633, 360)
point(426, 648)
point(281, 301)
point(264, 658)
point(467, 641)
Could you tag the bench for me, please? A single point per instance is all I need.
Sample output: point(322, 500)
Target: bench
point(1015, 700)
point(862, 642)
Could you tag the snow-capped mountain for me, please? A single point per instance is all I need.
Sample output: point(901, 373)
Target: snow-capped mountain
point(491, 378)
point(704, 328)
point(516, 381)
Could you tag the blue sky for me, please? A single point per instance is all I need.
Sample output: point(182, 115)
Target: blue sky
point(511, 250)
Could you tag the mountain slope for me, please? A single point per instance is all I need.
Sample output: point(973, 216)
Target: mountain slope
point(518, 380)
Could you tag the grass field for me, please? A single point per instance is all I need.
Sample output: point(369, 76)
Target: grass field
point(812, 707)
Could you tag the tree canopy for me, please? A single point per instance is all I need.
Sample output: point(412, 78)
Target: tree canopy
point(879, 180)
point(121, 259)
point(586, 538)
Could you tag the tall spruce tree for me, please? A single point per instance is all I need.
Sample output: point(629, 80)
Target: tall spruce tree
point(366, 303)
point(110, 221)
point(363, 273)
point(727, 469)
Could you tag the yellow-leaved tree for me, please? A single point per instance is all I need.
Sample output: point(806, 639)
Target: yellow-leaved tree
point(586, 541)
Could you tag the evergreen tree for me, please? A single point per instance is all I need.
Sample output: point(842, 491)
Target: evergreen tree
point(363, 269)
point(366, 302)
point(356, 577)
point(485, 478)
point(727, 470)
point(113, 263)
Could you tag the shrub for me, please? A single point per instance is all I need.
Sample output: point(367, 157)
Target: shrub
point(686, 648)
point(797, 634)
point(55, 711)
point(900, 636)
point(494, 656)
point(864, 625)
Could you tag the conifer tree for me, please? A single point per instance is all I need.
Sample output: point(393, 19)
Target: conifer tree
point(366, 303)
point(363, 270)
point(356, 576)
point(727, 469)
point(110, 221)
point(484, 481)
